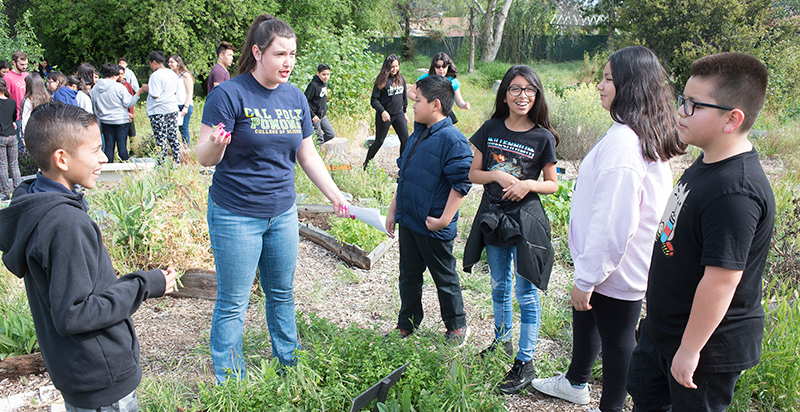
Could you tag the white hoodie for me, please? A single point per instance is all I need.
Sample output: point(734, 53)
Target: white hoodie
point(616, 207)
point(111, 101)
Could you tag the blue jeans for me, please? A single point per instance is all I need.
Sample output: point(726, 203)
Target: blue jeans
point(500, 260)
point(115, 135)
point(240, 244)
point(184, 128)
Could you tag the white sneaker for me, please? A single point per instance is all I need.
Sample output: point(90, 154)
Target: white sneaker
point(559, 387)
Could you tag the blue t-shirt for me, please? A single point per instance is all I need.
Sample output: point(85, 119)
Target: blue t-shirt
point(256, 175)
point(456, 84)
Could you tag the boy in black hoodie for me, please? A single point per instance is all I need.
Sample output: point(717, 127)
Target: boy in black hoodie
point(317, 95)
point(81, 310)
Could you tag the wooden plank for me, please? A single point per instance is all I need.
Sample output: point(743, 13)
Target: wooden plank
point(349, 253)
point(315, 208)
point(198, 283)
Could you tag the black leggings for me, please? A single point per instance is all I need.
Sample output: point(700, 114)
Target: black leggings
point(610, 325)
point(398, 121)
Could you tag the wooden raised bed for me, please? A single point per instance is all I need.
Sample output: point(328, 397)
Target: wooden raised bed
point(351, 254)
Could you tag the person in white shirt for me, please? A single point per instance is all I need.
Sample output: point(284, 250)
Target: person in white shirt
point(162, 106)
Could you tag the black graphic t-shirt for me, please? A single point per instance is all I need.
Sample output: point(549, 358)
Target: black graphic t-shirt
point(719, 214)
point(520, 154)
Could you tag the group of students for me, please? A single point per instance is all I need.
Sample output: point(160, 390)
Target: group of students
point(701, 277)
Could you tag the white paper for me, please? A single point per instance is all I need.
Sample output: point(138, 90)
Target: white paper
point(370, 216)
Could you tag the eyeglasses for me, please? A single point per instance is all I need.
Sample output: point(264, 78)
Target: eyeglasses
point(689, 105)
point(439, 66)
point(529, 91)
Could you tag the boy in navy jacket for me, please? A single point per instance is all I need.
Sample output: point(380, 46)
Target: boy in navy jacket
point(433, 180)
point(81, 310)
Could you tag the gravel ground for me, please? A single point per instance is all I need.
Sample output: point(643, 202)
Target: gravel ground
point(174, 332)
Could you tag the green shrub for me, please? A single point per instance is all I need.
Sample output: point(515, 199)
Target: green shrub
point(783, 264)
point(27, 166)
point(774, 385)
point(557, 207)
point(579, 119)
point(340, 363)
point(17, 333)
point(353, 69)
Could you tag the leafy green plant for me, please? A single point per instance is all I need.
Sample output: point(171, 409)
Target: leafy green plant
point(339, 363)
point(17, 333)
point(557, 207)
point(356, 232)
point(774, 384)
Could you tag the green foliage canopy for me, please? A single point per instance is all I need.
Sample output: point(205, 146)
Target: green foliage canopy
point(680, 31)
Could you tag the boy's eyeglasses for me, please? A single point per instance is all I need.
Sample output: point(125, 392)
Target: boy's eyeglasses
point(529, 91)
point(689, 105)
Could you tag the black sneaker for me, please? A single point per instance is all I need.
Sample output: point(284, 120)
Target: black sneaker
point(506, 346)
point(520, 376)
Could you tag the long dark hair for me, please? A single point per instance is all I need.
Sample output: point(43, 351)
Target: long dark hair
point(380, 81)
point(643, 101)
point(539, 114)
point(451, 66)
point(263, 31)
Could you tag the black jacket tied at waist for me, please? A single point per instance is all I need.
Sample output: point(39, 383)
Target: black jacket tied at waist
point(523, 225)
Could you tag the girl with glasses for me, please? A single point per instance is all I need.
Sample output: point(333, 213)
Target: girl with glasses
point(443, 65)
point(512, 149)
point(622, 189)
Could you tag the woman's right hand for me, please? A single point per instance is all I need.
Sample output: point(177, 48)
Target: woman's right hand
point(219, 136)
point(386, 116)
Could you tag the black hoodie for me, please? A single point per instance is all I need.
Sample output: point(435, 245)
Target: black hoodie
point(81, 310)
point(317, 95)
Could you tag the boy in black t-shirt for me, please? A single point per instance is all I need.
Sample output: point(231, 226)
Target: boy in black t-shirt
point(705, 321)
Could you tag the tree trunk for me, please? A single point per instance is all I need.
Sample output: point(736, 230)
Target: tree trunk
point(487, 33)
point(492, 45)
point(471, 39)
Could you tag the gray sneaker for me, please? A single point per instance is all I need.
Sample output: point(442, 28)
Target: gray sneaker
point(560, 387)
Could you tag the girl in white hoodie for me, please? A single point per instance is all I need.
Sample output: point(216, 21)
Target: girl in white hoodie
point(622, 189)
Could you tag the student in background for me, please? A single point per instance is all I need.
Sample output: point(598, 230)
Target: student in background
point(219, 73)
point(317, 95)
point(390, 103)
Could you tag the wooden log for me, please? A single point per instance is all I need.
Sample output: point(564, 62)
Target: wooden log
point(337, 145)
point(198, 283)
point(351, 254)
point(16, 366)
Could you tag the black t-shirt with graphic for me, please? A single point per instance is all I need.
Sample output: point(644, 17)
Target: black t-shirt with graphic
point(521, 154)
point(719, 214)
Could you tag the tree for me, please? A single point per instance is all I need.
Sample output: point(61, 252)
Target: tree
point(98, 31)
point(413, 12)
point(680, 31)
point(21, 39)
point(493, 23)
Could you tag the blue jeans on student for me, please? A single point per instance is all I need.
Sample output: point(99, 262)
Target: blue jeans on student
point(240, 244)
point(503, 274)
point(184, 127)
